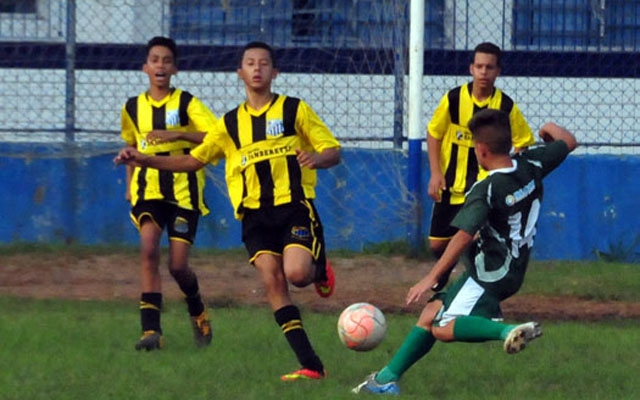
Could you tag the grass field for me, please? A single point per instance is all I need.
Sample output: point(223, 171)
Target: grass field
point(56, 349)
point(75, 349)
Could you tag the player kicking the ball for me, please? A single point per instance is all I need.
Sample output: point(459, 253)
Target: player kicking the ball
point(502, 210)
point(272, 145)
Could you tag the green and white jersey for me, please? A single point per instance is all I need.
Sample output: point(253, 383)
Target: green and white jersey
point(504, 209)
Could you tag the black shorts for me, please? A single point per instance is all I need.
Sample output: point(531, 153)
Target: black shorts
point(442, 215)
point(181, 223)
point(272, 229)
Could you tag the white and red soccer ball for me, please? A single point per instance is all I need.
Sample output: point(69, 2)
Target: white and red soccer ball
point(362, 326)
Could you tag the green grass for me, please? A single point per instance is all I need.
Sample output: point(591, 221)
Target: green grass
point(84, 350)
point(588, 280)
point(55, 349)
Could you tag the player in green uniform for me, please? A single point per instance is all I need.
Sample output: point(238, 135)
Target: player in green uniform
point(163, 121)
point(500, 212)
point(272, 145)
point(452, 163)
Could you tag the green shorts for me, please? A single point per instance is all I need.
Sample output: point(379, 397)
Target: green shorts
point(466, 297)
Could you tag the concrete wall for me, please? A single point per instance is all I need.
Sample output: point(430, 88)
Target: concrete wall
point(590, 204)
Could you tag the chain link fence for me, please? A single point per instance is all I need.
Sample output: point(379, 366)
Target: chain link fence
point(68, 65)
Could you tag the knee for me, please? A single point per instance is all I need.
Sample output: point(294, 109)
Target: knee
point(177, 269)
point(437, 333)
point(297, 277)
point(149, 258)
point(443, 333)
point(299, 273)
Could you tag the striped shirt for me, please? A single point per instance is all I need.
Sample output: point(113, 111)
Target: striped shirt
point(179, 111)
point(450, 125)
point(259, 147)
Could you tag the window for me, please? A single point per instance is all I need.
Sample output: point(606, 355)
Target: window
point(32, 20)
point(303, 20)
point(577, 25)
point(18, 6)
point(289, 23)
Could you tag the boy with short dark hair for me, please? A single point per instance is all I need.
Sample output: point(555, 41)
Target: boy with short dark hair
point(163, 121)
point(272, 145)
point(452, 162)
point(502, 210)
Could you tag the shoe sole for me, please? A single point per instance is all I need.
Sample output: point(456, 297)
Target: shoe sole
point(518, 338)
point(297, 376)
point(365, 387)
point(149, 346)
point(200, 339)
point(150, 343)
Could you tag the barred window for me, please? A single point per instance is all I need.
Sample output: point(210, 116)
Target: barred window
point(594, 25)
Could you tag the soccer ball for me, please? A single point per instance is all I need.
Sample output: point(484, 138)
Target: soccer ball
point(361, 326)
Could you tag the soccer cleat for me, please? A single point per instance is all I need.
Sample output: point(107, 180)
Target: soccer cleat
point(325, 288)
point(201, 329)
point(371, 386)
point(304, 373)
point(150, 340)
point(519, 336)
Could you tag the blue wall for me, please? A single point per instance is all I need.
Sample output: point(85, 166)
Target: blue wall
point(591, 203)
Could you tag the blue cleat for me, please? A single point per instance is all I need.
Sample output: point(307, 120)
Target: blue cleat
point(373, 387)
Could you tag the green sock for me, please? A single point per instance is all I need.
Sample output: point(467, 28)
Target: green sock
point(417, 343)
point(478, 329)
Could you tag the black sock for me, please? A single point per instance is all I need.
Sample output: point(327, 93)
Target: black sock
point(188, 283)
point(288, 318)
point(195, 305)
point(150, 305)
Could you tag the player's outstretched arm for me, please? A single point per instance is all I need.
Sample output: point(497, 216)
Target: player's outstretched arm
point(164, 136)
point(454, 249)
point(550, 132)
point(179, 163)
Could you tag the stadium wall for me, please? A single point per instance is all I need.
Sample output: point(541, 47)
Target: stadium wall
point(590, 204)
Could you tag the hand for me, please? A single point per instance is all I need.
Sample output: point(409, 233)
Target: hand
point(420, 288)
point(129, 156)
point(436, 185)
point(161, 136)
point(307, 159)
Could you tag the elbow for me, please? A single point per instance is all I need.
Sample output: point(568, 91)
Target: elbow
point(193, 165)
point(571, 143)
point(334, 158)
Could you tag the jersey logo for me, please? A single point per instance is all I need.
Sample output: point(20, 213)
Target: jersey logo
point(275, 127)
point(181, 225)
point(300, 233)
point(172, 118)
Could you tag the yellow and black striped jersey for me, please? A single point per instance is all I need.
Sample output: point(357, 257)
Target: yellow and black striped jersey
point(449, 124)
point(259, 147)
point(179, 111)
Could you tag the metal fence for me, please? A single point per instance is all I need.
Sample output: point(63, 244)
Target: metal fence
point(68, 66)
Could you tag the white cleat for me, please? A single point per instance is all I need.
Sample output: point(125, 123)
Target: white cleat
point(519, 336)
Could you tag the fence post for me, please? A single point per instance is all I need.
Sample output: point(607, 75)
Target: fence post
point(416, 133)
point(71, 162)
